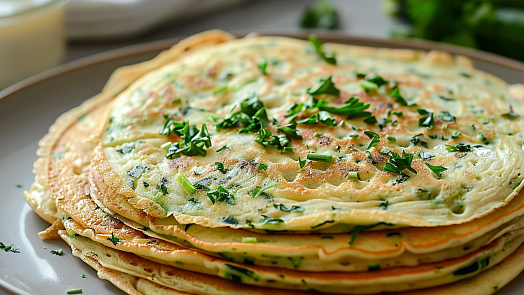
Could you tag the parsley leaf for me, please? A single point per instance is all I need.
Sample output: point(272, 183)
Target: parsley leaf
point(220, 167)
point(221, 194)
point(436, 169)
point(263, 68)
point(426, 120)
point(397, 163)
point(302, 163)
point(353, 109)
point(114, 239)
point(9, 248)
point(399, 98)
point(329, 57)
point(293, 208)
point(460, 147)
point(325, 86)
point(375, 138)
point(193, 142)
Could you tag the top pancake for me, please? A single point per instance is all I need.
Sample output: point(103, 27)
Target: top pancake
point(219, 138)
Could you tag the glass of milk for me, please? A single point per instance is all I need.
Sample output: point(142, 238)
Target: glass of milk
point(32, 38)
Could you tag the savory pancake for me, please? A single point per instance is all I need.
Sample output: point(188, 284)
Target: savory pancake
point(177, 176)
point(264, 133)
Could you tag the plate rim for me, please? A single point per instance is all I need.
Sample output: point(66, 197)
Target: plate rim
point(159, 45)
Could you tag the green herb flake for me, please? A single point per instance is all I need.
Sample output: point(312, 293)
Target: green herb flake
point(221, 194)
point(9, 248)
point(251, 240)
point(353, 109)
point(391, 138)
point(370, 120)
point(460, 147)
point(74, 291)
point(222, 148)
point(375, 139)
point(58, 252)
point(186, 185)
point(426, 120)
point(399, 98)
point(397, 163)
point(83, 276)
point(436, 169)
point(296, 261)
point(302, 163)
point(353, 175)
point(262, 67)
point(293, 208)
point(114, 239)
point(328, 57)
point(269, 220)
point(325, 86)
point(220, 167)
point(177, 100)
point(319, 158)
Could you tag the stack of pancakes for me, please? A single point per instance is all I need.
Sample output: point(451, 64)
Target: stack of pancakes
point(270, 165)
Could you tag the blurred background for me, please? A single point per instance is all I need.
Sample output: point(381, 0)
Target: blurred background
point(36, 35)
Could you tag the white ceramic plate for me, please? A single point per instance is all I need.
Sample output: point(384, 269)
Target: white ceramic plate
point(30, 107)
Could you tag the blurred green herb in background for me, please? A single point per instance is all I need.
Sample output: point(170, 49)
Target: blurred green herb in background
point(492, 25)
point(320, 14)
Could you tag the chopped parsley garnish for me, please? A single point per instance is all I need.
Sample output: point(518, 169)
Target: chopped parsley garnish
point(75, 291)
point(375, 138)
point(249, 239)
point(193, 140)
point(371, 120)
point(325, 86)
point(460, 147)
point(220, 167)
point(329, 57)
point(261, 166)
point(186, 185)
point(293, 208)
point(263, 68)
point(399, 98)
point(9, 248)
point(483, 138)
point(252, 116)
point(269, 220)
point(221, 194)
point(426, 120)
point(323, 117)
point(436, 169)
point(177, 100)
point(455, 135)
point(353, 175)
point(58, 252)
point(222, 148)
point(83, 276)
point(302, 163)
point(320, 158)
point(291, 130)
point(372, 84)
point(398, 113)
point(230, 220)
point(114, 239)
point(353, 109)
point(397, 163)
point(391, 138)
point(416, 141)
point(446, 116)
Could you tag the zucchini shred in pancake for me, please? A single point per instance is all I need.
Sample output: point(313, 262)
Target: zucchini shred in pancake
point(281, 164)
